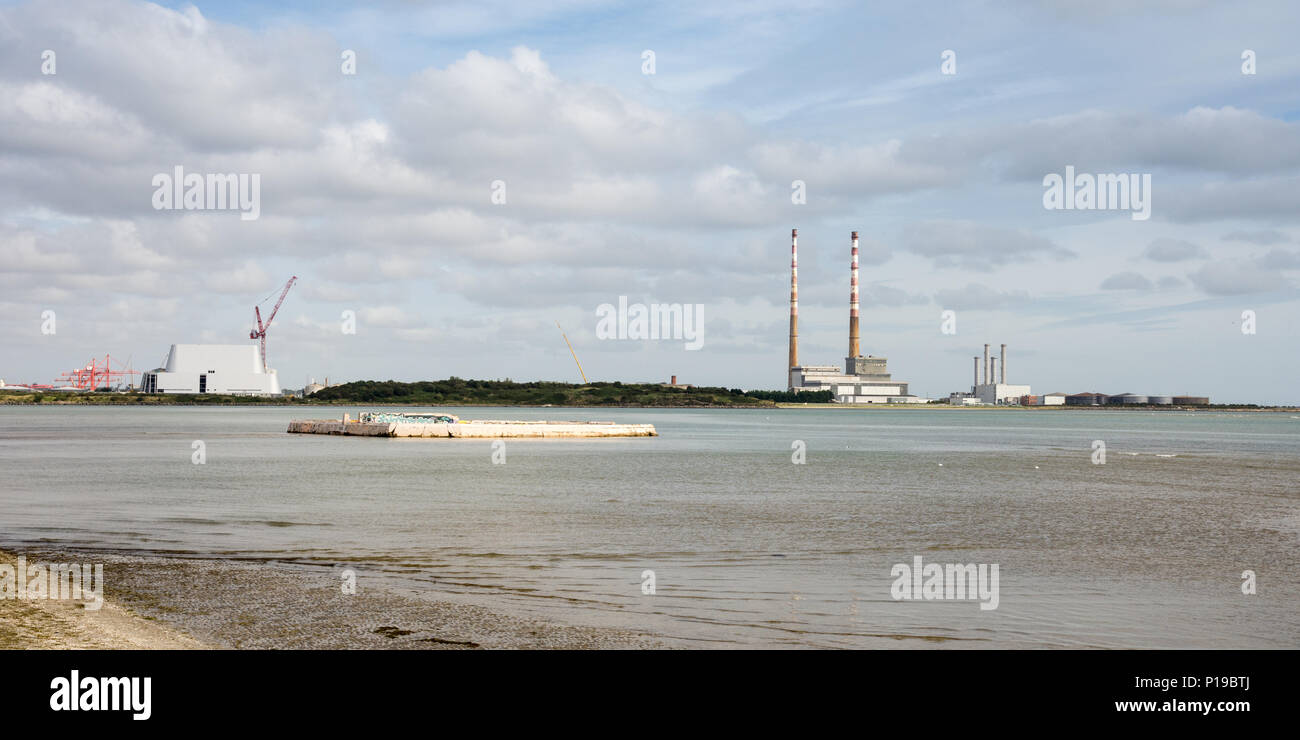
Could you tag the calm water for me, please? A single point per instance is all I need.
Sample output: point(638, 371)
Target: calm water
point(747, 548)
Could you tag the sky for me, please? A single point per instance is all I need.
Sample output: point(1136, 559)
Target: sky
point(492, 168)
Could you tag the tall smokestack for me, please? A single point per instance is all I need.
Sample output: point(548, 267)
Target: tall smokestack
point(854, 349)
point(994, 370)
point(977, 373)
point(987, 375)
point(794, 307)
point(1003, 365)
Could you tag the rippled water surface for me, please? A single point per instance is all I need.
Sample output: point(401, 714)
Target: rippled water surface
point(746, 548)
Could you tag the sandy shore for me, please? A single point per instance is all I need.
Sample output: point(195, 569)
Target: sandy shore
point(68, 625)
point(178, 603)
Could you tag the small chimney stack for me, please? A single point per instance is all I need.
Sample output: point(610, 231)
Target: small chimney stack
point(674, 383)
point(1003, 365)
point(987, 376)
point(976, 358)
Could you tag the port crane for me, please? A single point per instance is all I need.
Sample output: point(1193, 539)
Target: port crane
point(260, 331)
point(95, 375)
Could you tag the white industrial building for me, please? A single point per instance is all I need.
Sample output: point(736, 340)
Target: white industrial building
point(991, 387)
point(1000, 393)
point(234, 369)
point(864, 387)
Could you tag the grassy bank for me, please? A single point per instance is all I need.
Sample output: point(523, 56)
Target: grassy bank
point(460, 392)
point(70, 398)
point(449, 392)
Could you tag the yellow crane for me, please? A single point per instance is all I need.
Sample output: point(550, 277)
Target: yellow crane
point(575, 354)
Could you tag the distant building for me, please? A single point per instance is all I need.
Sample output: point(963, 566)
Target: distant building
point(869, 383)
point(1000, 393)
point(863, 379)
point(988, 387)
point(674, 384)
point(234, 369)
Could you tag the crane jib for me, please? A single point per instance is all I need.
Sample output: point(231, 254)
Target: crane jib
point(260, 332)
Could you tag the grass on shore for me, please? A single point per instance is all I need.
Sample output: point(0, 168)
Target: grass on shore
point(460, 392)
point(450, 392)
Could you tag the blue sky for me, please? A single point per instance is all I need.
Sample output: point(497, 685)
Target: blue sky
point(671, 187)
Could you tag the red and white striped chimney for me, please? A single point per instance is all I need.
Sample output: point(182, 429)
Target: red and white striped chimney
point(794, 308)
point(854, 350)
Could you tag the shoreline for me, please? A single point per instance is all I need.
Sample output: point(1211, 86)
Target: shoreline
point(161, 603)
point(298, 403)
point(51, 624)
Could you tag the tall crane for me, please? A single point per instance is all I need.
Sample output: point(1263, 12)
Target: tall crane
point(260, 331)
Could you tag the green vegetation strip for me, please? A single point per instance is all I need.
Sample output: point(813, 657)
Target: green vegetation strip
point(450, 392)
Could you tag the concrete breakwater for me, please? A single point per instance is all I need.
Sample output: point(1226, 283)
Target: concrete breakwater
point(470, 429)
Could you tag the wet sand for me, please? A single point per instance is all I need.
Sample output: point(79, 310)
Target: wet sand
point(178, 603)
point(69, 625)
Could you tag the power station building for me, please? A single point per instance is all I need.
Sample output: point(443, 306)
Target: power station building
point(862, 379)
point(234, 369)
point(992, 387)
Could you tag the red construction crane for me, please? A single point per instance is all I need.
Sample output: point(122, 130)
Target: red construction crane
point(95, 375)
point(260, 331)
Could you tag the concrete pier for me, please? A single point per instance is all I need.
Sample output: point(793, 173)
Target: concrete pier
point(467, 429)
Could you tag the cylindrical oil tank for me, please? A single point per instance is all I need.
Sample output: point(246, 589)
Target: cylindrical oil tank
point(1085, 399)
point(1191, 401)
point(1160, 400)
point(1133, 399)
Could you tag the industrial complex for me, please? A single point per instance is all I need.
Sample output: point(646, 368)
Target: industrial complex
point(866, 379)
point(233, 369)
point(242, 369)
point(863, 379)
point(985, 389)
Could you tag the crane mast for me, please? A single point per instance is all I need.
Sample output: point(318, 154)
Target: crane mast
point(260, 332)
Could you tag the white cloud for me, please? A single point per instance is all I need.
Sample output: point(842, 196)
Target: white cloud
point(951, 243)
point(1126, 281)
point(1172, 250)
